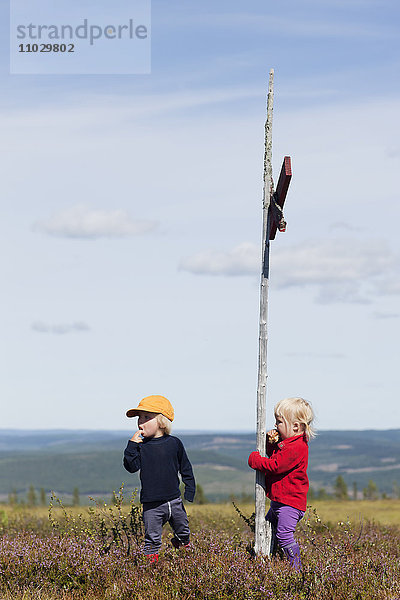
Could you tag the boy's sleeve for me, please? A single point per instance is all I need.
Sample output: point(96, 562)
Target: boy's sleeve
point(280, 462)
point(186, 471)
point(132, 457)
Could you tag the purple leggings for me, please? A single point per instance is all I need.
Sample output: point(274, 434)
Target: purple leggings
point(284, 519)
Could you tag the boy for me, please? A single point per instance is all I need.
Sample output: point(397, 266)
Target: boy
point(160, 457)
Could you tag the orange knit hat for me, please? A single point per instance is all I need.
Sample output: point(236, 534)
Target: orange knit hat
point(155, 404)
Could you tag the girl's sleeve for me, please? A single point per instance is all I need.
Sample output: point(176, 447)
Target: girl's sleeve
point(270, 448)
point(132, 457)
point(279, 462)
point(186, 471)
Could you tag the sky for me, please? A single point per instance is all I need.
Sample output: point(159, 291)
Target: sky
point(131, 220)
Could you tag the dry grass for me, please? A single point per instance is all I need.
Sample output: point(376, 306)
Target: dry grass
point(385, 512)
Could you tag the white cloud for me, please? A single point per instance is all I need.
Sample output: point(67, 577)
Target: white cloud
point(83, 222)
point(82, 117)
point(242, 260)
point(332, 261)
point(350, 3)
point(290, 24)
point(342, 269)
point(345, 270)
point(393, 152)
point(346, 227)
point(322, 355)
point(389, 286)
point(60, 329)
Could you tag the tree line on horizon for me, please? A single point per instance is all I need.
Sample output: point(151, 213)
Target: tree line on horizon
point(39, 497)
point(341, 491)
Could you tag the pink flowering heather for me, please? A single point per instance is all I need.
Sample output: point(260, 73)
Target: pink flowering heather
point(340, 563)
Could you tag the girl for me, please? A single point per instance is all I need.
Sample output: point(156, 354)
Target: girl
point(286, 471)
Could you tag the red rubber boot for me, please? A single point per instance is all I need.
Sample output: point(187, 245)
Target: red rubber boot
point(152, 558)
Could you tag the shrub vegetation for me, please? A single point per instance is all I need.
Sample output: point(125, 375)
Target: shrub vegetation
point(96, 555)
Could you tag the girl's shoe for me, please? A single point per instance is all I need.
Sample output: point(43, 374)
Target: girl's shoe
point(293, 554)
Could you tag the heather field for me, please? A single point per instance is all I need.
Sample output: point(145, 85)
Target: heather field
point(96, 555)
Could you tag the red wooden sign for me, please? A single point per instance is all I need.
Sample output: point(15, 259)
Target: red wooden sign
point(280, 196)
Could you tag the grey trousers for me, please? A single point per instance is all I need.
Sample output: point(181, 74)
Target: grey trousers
point(155, 515)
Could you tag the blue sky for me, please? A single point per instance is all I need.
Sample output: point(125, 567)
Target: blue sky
point(131, 222)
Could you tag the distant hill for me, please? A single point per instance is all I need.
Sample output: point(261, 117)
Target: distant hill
point(92, 461)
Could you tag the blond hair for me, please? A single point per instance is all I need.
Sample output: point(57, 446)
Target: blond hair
point(164, 423)
point(296, 410)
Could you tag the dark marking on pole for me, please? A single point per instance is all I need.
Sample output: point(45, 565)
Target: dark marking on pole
point(265, 270)
point(265, 263)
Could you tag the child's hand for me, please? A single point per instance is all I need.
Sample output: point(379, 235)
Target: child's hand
point(137, 437)
point(273, 436)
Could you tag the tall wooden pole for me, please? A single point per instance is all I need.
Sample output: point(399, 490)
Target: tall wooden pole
point(262, 541)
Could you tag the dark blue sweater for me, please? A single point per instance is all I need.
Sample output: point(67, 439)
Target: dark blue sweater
point(160, 460)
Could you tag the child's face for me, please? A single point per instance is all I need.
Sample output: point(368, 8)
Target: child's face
point(148, 425)
point(287, 429)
